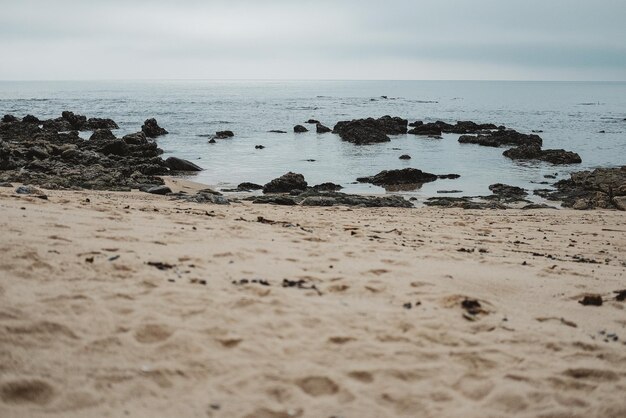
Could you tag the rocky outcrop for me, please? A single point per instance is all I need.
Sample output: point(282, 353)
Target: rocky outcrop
point(286, 183)
point(152, 129)
point(501, 138)
point(102, 134)
point(100, 123)
point(370, 131)
point(321, 198)
point(426, 129)
point(534, 152)
point(247, 186)
point(327, 187)
point(603, 188)
point(224, 134)
point(299, 129)
point(178, 164)
point(405, 157)
point(321, 129)
point(399, 177)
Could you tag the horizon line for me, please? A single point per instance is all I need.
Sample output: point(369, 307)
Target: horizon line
point(309, 80)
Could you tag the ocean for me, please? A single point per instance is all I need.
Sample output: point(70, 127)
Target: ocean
point(570, 114)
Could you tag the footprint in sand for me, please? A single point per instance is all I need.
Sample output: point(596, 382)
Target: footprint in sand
point(318, 386)
point(152, 333)
point(26, 391)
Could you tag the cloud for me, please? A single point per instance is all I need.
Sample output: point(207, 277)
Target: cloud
point(529, 39)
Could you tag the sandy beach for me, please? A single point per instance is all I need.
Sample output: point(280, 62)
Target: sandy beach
point(130, 304)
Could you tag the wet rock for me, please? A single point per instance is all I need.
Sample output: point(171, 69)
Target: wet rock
point(152, 129)
point(9, 118)
point(102, 135)
point(448, 176)
point(397, 177)
point(591, 300)
point(321, 129)
point(77, 122)
point(212, 141)
point(246, 186)
point(276, 131)
point(370, 131)
point(205, 196)
point(501, 138)
point(115, 147)
point(327, 187)
point(426, 129)
point(534, 152)
point(342, 199)
point(405, 157)
point(160, 190)
point(300, 129)
point(178, 164)
point(508, 192)
point(275, 200)
point(313, 121)
point(224, 134)
point(31, 190)
point(533, 206)
point(286, 183)
point(259, 147)
point(100, 123)
point(449, 191)
point(601, 188)
point(463, 203)
point(138, 138)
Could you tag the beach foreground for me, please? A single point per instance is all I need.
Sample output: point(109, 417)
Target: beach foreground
point(116, 304)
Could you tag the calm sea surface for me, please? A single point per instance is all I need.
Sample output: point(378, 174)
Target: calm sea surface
point(570, 114)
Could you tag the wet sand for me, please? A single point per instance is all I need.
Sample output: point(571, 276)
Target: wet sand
point(128, 304)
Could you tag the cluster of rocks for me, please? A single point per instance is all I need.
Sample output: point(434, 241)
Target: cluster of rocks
point(48, 154)
point(404, 179)
point(603, 188)
point(503, 197)
point(436, 129)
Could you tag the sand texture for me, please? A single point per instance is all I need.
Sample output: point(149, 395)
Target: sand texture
point(128, 304)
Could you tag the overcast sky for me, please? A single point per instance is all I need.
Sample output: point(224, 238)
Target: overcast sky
point(317, 39)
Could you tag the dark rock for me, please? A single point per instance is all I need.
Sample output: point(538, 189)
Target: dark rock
point(397, 177)
point(99, 123)
point(115, 147)
point(286, 183)
point(534, 152)
point(300, 129)
point(57, 125)
point(205, 196)
point(591, 300)
point(31, 119)
point(405, 157)
point(275, 200)
point(449, 191)
point(249, 186)
point(603, 188)
point(341, 199)
point(259, 147)
point(463, 203)
point(506, 191)
point(416, 124)
point(327, 187)
point(102, 135)
point(313, 121)
point(276, 131)
point(448, 176)
point(212, 141)
point(502, 137)
point(138, 138)
point(77, 122)
point(224, 134)
point(9, 118)
point(178, 164)
point(31, 190)
point(161, 190)
point(370, 131)
point(426, 129)
point(152, 129)
point(321, 129)
point(533, 206)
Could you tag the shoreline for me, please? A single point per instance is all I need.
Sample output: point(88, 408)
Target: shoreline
point(126, 302)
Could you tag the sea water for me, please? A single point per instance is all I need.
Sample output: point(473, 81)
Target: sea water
point(570, 114)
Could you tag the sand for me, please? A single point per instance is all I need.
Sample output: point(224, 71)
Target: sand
point(370, 325)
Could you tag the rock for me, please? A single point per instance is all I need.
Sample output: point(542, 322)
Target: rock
point(300, 129)
point(57, 125)
point(327, 187)
point(138, 138)
point(600, 188)
point(259, 147)
point(591, 300)
point(502, 137)
point(463, 203)
point(405, 157)
point(160, 190)
point(397, 177)
point(31, 119)
point(31, 190)
point(313, 121)
point(205, 196)
point(286, 183)
point(426, 129)
point(6, 184)
point(342, 199)
point(321, 129)
point(223, 134)
point(99, 123)
point(9, 118)
point(276, 131)
point(448, 176)
point(275, 200)
point(532, 206)
point(507, 191)
point(249, 186)
point(152, 129)
point(212, 141)
point(77, 122)
point(534, 152)
point(178, 164)
point(449, 191)
point(102, 135)
point(116, 147)
point(370, 131)
point(620, 202)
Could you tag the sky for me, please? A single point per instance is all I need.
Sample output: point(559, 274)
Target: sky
point(317, 39)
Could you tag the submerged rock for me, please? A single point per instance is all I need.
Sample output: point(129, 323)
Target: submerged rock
point(246, 186)
point(405, 157)
point(502, 137)
point(370, 131)
point(224, 134)
point(327, 187)
point(299, 129)
point(398, 177)
point(321, 129)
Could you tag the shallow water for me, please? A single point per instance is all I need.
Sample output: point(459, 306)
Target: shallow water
point(571, 114)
